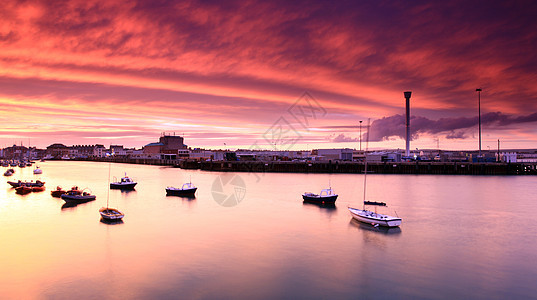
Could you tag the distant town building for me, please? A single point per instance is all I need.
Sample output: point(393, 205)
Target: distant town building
point(336, 154)
point(167, 147)
point(57, 151)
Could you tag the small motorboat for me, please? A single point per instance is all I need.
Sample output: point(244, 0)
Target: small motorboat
point(111, 214)
point(76, 196)
point(37, 170)
point(126, 183)
point(23, 190)
point(326, 196)
point(9, 172)
point(30, 183)
point(58, 192)
point(187, 190)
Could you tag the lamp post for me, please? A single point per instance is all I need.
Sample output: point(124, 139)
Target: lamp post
point(360, 135)
point(479, 115)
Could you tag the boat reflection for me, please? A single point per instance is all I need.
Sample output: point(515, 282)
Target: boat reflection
point(124, 191)
point(72, 204)
point(111, 222)
point(325, 206)
point(184, 197)
point(380, 229)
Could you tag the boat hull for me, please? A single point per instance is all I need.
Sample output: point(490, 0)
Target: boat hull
point(123, 186)
point(16, 184)
point(319, 199)
point(372, 218)
point(57, 193)
point(77, 198)
point(181, 192)
point(23, 190)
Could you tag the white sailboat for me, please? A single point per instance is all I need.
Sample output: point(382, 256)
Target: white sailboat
point(108, 213)
point(368, 216)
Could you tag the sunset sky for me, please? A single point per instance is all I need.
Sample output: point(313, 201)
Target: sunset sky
point(268, 74)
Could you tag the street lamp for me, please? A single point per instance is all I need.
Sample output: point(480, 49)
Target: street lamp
point(479, 115)
point(360, 135)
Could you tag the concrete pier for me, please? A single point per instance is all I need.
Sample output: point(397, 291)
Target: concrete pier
point(418, 167)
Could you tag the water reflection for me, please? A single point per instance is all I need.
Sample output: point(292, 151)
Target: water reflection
point(71, 204)
point(124, 191)
point(111, 222)
point(324, 206)
point(273, 245)
point(184, 197)
point(380, 229)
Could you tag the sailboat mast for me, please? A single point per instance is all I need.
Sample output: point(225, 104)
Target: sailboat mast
point(108, 195)
point(365, 163)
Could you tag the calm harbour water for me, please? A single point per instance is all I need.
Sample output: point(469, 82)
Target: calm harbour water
point(462, 237)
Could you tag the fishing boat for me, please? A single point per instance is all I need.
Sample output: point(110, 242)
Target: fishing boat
point(37, 170)
point(74, 196)
point(9, 172)
point(372, 217)
point(186, 190)
point(126, 183)
point(31, 183)
point(326, 196)
point(23, 190)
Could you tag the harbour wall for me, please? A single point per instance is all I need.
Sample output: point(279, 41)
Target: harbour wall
point(418, 167)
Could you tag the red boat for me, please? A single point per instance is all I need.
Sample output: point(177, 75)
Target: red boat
point(59, 191)
point(23, 190)
point(38, 188)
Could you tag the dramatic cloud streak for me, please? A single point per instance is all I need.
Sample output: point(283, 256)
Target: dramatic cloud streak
point(201, 67)
point(452, 128)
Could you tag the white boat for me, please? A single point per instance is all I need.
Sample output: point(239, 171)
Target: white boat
point(37, 170)
point(109, 214)
point(372, 217)
point(126, 183)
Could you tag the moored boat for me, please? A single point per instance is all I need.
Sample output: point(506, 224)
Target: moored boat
point(38, 188)
point(31, 183)
point(58, 192)
point(74, 196)
point(23, 189)
point(187, 190)
point(126, 183)
point(37, 170)
point(325, 197)
point(374, 218)
point(111, 214)
point(9, 172)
